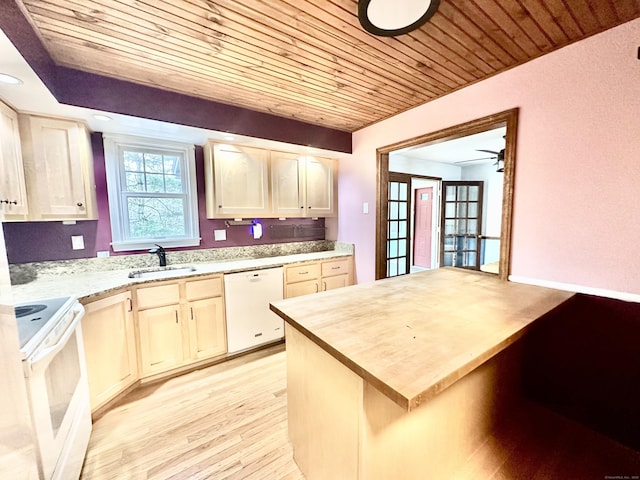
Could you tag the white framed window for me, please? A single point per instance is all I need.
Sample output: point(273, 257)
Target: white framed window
point(152, 192)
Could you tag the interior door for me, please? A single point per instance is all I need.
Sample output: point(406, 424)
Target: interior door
point(422, 229)
point(399, 206)
point(461, 224)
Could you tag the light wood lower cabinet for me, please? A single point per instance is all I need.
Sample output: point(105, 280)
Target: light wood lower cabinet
point(179, 323)
point(110, 347)
point(319, 276)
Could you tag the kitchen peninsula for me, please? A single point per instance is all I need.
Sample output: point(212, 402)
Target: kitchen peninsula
point(404, 377)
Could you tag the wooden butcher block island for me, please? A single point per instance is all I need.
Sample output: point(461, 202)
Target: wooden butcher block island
point(404, 378)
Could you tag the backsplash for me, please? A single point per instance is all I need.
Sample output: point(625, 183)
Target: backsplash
point(29, 242)
point(23, 273)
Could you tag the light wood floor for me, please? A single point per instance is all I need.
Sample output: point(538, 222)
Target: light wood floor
point(225, 422)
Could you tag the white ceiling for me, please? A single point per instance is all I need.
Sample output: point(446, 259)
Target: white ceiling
point(463, 151)
point(32, 96)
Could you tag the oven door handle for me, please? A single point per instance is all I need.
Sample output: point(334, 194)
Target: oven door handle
point(78, 310)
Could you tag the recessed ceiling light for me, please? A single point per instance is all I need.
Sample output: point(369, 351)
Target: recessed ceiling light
point(9, 79)
point(104, 118)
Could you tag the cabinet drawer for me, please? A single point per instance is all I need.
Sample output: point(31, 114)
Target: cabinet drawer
point(300, 273)
point(158, 296)
point(206, 288)
point(337, 267)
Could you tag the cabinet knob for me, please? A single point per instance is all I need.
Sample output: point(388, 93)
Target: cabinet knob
point(219, 206)
point(309, 206)
point(302, 206)
point(79, 204)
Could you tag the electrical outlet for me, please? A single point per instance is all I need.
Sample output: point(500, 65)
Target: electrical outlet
point(219, 235)
point(102, 254)
point(77, 242)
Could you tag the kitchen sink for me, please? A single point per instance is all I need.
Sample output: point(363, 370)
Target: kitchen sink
point(161, 272)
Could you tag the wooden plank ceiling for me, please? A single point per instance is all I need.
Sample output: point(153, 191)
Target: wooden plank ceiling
point(310, 59)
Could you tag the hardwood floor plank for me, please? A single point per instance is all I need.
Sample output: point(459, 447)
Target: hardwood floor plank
point(228, 421)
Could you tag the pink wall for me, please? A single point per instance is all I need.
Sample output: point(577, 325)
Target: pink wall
point(577, 162)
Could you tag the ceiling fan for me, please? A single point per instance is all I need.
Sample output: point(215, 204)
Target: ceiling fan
point(497, 156)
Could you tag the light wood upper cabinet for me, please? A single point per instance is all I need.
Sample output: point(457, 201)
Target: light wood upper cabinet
point(180, 322)
point(59, 169)
point(110, 347)
point(303, 186)
point(237, 181)
point(13, 192)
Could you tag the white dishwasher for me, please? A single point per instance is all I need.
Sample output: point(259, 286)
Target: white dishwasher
point(249, 321)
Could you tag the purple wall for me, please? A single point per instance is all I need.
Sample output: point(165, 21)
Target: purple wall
point(45, 241)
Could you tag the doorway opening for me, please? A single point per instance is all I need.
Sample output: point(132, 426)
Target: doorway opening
point(468, 215)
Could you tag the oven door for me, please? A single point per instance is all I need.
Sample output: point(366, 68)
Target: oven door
point(59, 401)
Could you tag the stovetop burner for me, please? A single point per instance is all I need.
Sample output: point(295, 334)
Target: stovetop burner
point(25, 310)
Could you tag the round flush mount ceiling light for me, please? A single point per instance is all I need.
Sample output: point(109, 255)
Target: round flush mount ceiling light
point(9, 79)
point(389, 18)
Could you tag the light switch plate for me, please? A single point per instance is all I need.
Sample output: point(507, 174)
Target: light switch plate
point(365, 207)
point(219, 235)
point(77, 242)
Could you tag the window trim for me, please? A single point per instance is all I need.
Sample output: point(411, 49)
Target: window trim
point(113, 144)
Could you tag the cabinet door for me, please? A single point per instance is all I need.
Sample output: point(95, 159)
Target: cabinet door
point(301, 288)
point(336, 267)
point(320, 177)
point(13, 192)
point(59, 169)
point(241, 176)
point(110, 347)
point(287, 184)
point(338, 281)
point(160, 339)
point(207, 332)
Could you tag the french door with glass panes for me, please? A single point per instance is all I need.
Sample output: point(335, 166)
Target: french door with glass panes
point(461, 224)
point(398, 208)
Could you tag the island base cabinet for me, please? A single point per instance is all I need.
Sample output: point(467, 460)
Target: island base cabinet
point(110, 348)
point(324, 402)
point(341, 426)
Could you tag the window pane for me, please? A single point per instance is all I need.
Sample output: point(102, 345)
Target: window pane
point(472, 227)
point(462, 226)
point(393, 248)
point(462, 210)
point(393, 229)
point(402, 211)
point(450, 210)
point(402, 266)
point(172, 165)
point(393, 210)
point(448, 243)
point(156, 217)
point(393, 191)
point(473, 210)
point(173, 184)
point(133, 161)
point(135, 182)
point(155, 183)
point(473, 193)
point(393, 267)
point(448, 259)
point(449, 227)
point(153, 163)
point(402, 249)
point(462, 193)
point(402, 229)
point(403, 191)
point(451, 194)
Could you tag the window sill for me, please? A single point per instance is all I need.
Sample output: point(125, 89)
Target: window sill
point(145, 245)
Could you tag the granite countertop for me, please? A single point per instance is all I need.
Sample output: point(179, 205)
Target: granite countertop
point(415, 335)
point(86, 285)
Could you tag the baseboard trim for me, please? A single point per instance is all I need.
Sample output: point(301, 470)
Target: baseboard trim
point(600, 292)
